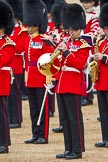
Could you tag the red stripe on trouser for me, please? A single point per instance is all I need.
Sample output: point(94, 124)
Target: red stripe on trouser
point(53, 103)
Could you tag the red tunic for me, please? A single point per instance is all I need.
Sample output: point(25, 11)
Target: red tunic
point(92, 22)
point(102, 82)
point(18, 36)
point(70, 80)
point(7, 52)
point(50, 27)
point(34, 48)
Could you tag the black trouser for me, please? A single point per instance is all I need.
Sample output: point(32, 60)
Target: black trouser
point(102, 97)
point(90, 95)
point(4, 123)
point(59, 106)
point(51, 102)
point(72, 122)
point(22, 86)
point(15, 102)
point(35, 97)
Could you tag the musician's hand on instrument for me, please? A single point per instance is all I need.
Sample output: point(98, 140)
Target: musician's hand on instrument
point(51, 37)
point(98, 56)
point(62, 46)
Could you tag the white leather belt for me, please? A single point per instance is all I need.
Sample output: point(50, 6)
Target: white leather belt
point(66, 68)
point(11, 72)
point(21, 54)
point(6, 68)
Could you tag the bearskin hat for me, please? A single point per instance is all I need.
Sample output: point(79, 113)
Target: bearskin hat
point(102, 2)
point(35, 14)
point(103, 17)
point(56, 10)
point(73, 16)
point(17, 6)
point(6, 17)
point(87, 1)
point(59, 1)
point(49, 4)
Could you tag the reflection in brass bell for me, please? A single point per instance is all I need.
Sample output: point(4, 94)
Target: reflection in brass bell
point(46, 65)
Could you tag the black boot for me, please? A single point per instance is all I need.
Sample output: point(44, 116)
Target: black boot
point(4, 149)
point(60, 156)
point(58, 130)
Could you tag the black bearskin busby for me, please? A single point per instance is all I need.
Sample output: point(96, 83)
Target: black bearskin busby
point(35, 14)
point(73, 16)
point(87, 1)
point(102, 2)
point(6, 17)
point(59, 1)
point(103, 17)
point(55, 12)
point(17, 6)
point(49, 4)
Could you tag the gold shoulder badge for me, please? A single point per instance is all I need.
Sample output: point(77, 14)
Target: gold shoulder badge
point(23, 29)
point(8, 42)
point(84, 44)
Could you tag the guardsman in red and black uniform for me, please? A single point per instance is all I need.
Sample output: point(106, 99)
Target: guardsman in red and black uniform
point(101, 84)
point(18, 36)
point(69, 86)
point(50, 27)
point(7, 52)
point(58, 35)
point(34, 48)
point(92, 24)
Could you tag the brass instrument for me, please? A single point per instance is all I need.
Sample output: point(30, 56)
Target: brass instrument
point(46, 63)
point(94, 70)
point(94, 66)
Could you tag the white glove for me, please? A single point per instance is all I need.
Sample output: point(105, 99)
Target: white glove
point(48, 87)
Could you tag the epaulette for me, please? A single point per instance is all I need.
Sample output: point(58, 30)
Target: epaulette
point(23, 29)
point(8, 42)
point(84, 44)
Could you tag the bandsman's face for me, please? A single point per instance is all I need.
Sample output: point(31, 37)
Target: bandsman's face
point(32, 29)
point(2, 31)
point(87, 5)
point(74, 33)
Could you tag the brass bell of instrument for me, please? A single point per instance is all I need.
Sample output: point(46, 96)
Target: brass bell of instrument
point(94, 71)
point(48, 66)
